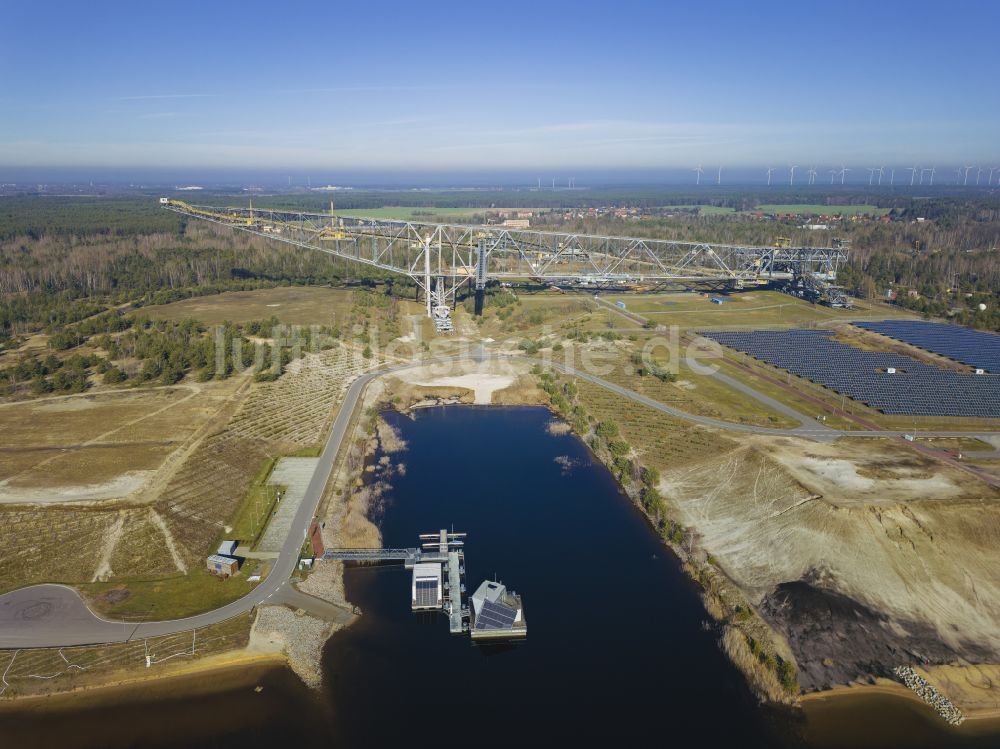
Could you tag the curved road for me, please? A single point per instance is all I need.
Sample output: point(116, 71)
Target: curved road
point(56, 616)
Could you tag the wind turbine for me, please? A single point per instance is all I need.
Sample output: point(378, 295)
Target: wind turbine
point(967, 168)
point(698, 171)
point(718, 181)
point(833, 173)
point(769, 170)
point(913, 173)
point(871, 175)
point(892, 177)
point(812, 175)
point(791, 176)
point(958, 175)
point(990, 180)
point(881, 171)
point(843, 172)
point(933, 169)
point(978, 175)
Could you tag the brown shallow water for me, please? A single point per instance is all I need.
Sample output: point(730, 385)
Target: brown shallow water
point(870, 720)
point(193, 710)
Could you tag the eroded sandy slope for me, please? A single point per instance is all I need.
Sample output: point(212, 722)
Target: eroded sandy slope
point(863, 555)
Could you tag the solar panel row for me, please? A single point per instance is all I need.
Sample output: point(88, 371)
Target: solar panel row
point(972, 347)
point(427, 593)
point(889, 382)
point(495, 616)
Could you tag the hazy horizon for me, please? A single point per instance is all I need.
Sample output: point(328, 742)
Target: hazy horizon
point(553, 90)
point(545, 181)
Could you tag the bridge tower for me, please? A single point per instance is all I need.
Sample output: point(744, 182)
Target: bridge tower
point(480, 276)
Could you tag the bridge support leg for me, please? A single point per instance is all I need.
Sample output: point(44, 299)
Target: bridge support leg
point(427, 274)
point(480, 278)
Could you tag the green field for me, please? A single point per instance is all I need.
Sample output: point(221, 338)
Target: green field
point(812, 208)
point(829, 210)
point(750, 308)
point(409, 213)
point(705, 210)
point(292, 305)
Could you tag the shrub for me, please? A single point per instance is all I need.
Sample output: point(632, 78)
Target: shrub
point(786, 673)
point(40, 386)
point(607, 430)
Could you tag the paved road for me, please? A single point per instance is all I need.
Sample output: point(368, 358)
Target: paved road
point(55, 615)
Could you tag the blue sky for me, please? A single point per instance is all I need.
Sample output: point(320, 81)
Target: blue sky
point(497, 86)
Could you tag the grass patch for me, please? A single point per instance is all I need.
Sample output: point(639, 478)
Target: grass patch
point(958, 444)
point(662, 442)
point(749, 309)
point(307, 452)
point(697, 394)
point(169, 597)
point(255, 510)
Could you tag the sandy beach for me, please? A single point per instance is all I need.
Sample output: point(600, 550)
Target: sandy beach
point(207, 675)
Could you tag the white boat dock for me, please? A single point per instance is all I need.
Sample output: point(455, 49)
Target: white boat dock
point(439, 584)
point(444, 548)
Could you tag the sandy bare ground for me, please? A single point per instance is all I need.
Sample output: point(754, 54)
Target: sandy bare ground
point(858, 555)
point(483, 385)
point(114, 533)
point(123, 485)
point(974, 688)
point(168, 539)
point(865, 471)
point(483, 379)
point(48, 480)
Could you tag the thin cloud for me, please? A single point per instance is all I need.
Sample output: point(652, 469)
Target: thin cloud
point(163, 115)
point(144, 97)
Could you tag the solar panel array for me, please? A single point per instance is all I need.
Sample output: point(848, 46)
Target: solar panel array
point(972, 347)
point(915, 389)
point(427, 593)
point(495, 616)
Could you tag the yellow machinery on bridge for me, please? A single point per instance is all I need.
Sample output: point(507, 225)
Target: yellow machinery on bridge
point(224, 217)
point(268, 225)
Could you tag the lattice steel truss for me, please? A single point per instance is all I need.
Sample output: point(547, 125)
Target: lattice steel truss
point(458, 254)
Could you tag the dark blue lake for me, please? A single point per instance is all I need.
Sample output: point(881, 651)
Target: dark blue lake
point(616, 645)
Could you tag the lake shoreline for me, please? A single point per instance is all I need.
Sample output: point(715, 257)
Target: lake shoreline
point(228, 669)
point(887, 687)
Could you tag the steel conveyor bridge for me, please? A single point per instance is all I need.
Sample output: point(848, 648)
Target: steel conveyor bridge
point(442, 258)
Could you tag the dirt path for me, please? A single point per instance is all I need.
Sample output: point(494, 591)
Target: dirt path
point(111, 539)
point(168, 538)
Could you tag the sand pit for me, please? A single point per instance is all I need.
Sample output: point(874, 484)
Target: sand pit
point(483, 385)
point(116, 488)
point(852, 472)
point(484, 380)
